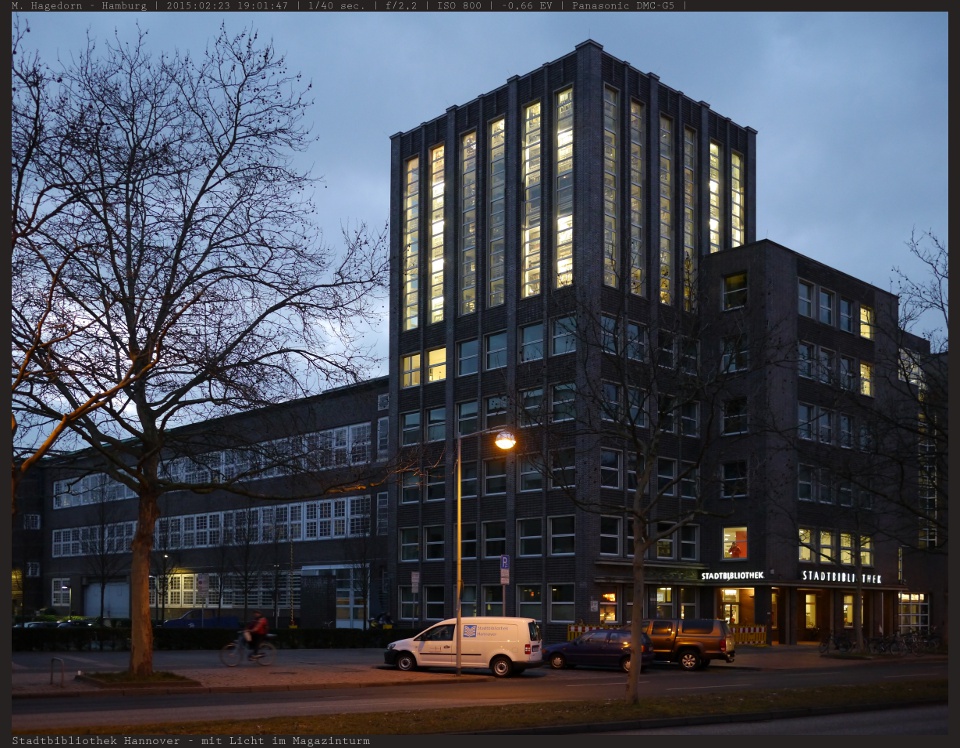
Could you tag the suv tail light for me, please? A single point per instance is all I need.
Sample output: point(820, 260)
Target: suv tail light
point(723, 645)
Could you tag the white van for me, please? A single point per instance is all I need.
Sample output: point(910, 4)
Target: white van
point(504, 644)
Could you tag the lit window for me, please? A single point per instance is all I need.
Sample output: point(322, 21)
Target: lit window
point(735, 543)
point(410, 370)
point(532, 204)
point(468, 223)
point(867, 322)
point(436, 233)
point(411, 245)
point(496, 213)
point(866, 379)
point(611, 195)
point(563, 191)
point(735, 291)
point(807, 547)
point(437, 365)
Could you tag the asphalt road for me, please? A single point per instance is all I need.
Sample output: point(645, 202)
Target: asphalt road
point(533, 686)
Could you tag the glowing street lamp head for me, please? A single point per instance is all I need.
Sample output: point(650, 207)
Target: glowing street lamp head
point(505, 440)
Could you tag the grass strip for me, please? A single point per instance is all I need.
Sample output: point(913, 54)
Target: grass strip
point(546, 714)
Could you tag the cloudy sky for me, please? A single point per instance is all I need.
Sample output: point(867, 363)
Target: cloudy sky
point(850, 108)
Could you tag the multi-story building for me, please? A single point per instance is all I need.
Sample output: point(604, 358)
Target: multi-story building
point(573, 258)
point(579, 204)
point(286, 513)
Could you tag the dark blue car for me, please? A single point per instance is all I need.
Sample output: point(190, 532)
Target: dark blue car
point(600, 648)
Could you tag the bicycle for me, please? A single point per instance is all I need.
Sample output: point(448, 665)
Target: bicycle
point(887, 645)
point(232, 654)
point(840, 642)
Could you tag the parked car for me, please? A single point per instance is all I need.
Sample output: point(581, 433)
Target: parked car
point(691, 642)
point(600, 648)
point(75, 623)
point(37, 625)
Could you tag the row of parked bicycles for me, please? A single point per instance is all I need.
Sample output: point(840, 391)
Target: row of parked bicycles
point(899, 643)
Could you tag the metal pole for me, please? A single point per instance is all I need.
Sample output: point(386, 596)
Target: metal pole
point(459, 549)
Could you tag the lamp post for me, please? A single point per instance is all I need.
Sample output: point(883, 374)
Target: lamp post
point(69, 590)
point(505, 440)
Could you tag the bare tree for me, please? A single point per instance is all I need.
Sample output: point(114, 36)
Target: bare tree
point(187, 258)
point(42, 249)
point(653, 393)
point(104, 545)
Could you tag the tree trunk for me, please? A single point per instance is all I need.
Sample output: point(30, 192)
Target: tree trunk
point(141, 627)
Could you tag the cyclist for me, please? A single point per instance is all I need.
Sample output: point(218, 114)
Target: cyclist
point(258, 632)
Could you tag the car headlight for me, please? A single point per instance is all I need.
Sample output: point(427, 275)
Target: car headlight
point(390, 645)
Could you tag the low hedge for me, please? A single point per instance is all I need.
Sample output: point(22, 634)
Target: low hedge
point(113, 639)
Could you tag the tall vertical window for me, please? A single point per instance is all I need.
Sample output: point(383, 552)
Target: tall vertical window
point(716, 196)
point(826, 307)
point(411, 246)
point(532, 203)
point(804, 299)
point(467, 355)
point(531, 342)
point(689, 217)
point(496, 351)
point(563, 196)
point(437, 365)
point(737, 209)
point(496, 214)
point(468, 223)
point(636, 198)
point(846, 314)
point(666, 210)
point(410, 370)
point(436, 233)
point(866, 379)
point(866, 322)
point(611, 148)
point(734, 291)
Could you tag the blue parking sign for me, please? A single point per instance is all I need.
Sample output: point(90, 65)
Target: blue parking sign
point(504, 562)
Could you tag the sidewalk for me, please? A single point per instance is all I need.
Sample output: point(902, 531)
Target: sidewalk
point(318, 669)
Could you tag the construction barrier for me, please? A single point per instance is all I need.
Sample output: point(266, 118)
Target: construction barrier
point(749, 634)
point(576, 629)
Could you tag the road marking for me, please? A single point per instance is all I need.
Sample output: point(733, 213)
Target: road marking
point(705, 688)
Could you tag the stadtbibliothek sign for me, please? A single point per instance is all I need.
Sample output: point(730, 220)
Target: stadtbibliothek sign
point(844, 577)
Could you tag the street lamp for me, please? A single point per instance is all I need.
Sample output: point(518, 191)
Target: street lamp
point(505, 440)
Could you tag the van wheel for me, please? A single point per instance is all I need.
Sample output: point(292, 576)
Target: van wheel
point(625, 664)
point(501, 666)
point(690, 659)
point(406, 661)
point(558, 662)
